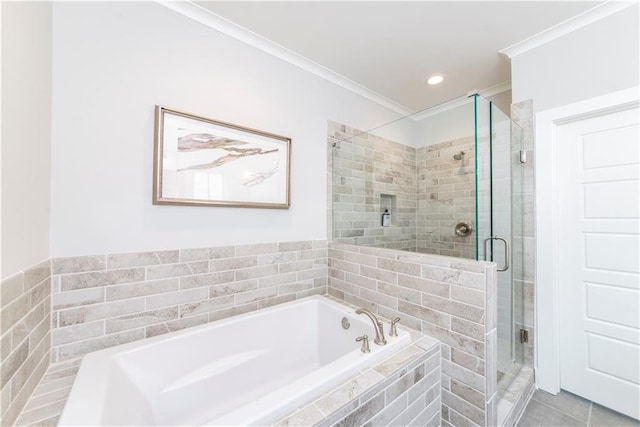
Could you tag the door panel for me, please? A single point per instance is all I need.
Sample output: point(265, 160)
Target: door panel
point(599, 259)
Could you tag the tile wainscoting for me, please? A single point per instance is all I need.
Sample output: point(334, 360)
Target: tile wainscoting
point(450, 299)
point(106, 300)
point(25, 344)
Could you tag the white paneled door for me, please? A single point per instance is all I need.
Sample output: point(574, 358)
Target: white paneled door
point(598, 164)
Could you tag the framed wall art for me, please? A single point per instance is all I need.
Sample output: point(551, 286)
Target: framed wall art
point(205, 162)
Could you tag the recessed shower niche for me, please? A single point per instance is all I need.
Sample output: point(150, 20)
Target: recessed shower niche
point(387, 206)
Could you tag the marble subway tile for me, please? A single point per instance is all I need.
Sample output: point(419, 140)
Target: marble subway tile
point(295, 246)
point(205, 254)
point(399, 266)
point(13, 312)
point(141, 259)
point(40, 292)
point(398, 360)
point(295, 266)
point(465, 311)
point(137, 320)
point(252, 296)
point(399, 291)
point(468, 296)
point(343, 395)
point(314, 273)
point(277, 258)
point(270, 302)
point(11, 288)
point(391, 410)
point(138, 289)
point(364, 412)
point(425, 285)
point(73, 316)
point(36, 274)
point(467, 328)
point(463, 375)
point(76, 298)
point(294, 288)
point(210, 279)
point(37, 355)
point(379, 298)
point(455, 277)
point(13, 363)
point(424, 313)
point(79, 348)
point(256, 272)
point(78, 264)
point(232, 311)
point(175, 325)
point(378, 274)
point(467, 361)
point(257, 249)
point(232, 263)
point(78, 332)
point(307, 416)
point(268, 281)
point(176, 270)
point(232, 288)
point(454, 339)
point(27, 324)
point(205, 306)
point(101, 278)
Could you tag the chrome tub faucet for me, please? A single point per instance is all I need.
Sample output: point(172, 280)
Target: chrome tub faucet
point(377, 325)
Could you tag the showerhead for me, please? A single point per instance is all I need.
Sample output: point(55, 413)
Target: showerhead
point(459, 156)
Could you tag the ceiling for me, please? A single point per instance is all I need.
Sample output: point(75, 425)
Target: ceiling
point(392, 47)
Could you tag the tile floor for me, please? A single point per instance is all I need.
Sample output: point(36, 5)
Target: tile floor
point(568, 410)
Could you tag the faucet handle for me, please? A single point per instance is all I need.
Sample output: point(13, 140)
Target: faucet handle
point(393, 331)
point(365, 343)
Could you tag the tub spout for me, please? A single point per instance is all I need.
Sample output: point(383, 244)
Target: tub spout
point(377, 325)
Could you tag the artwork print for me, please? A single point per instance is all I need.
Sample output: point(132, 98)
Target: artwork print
point(201, 161)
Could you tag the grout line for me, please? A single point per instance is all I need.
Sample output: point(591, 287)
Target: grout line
point(590, 411)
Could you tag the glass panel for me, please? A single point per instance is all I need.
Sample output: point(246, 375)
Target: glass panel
point(506, 173)
point(483, 178)
point(518, 232)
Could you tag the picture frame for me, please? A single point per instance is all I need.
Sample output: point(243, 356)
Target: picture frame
point(205, 162)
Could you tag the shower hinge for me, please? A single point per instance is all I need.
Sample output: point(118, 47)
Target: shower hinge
point(524, 336)
point(523, 156)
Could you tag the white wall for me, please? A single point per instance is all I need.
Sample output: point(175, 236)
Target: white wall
point(112, 62)
point(26, 134)
point(595, 60)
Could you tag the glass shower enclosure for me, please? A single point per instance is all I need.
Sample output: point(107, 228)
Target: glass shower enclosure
point(452, 186)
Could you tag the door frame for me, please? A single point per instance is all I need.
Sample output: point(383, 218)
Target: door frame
point(547, 331)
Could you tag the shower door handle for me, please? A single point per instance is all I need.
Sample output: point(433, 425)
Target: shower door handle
point(506, 251)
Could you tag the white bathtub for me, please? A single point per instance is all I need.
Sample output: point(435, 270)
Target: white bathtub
point(250, 369)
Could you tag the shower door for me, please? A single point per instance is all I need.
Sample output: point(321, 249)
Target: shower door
point(500, 227)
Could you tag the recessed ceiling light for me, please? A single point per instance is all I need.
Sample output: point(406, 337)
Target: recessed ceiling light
point(435, 79)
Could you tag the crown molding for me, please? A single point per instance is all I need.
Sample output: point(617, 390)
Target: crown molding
point(572, 24)
point(231, 29)
point(460, 101)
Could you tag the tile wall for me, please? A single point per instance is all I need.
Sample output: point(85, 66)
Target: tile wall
point(403, 390)
point(371, 174)
point(104, 300)
point(25, 341)
point(446, 196)
point(450, 299)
